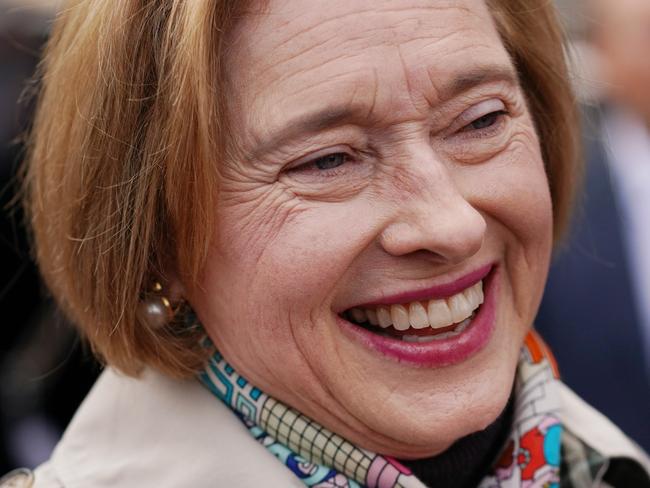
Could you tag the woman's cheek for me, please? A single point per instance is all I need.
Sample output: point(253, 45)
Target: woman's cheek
point(513, 189)
point(514, 195)
point(311, 252)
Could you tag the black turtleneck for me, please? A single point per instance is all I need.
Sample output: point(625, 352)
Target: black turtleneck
point(468, 460)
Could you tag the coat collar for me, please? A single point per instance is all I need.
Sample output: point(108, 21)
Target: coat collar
point(156, 431)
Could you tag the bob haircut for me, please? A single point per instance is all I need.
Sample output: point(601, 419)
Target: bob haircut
point(123, 154)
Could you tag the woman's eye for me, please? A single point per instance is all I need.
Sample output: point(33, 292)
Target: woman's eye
point(326, 165)
point(484, 122)
point(329, 161)
point(336, 169)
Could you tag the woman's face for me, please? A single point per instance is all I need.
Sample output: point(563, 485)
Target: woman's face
point(383, 159)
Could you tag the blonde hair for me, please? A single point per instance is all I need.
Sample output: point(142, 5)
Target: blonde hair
point(120, 180)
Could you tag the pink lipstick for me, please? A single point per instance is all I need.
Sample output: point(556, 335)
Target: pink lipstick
point(438, 352)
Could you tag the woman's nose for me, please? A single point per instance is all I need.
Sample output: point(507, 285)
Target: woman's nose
point(435, 217)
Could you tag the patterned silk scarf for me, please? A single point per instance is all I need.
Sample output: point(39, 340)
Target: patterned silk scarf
point(320, 458)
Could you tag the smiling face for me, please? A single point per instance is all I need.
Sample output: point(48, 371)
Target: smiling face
point(384, 168)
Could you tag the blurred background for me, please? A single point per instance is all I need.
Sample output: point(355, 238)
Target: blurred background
point(44, 369)
point(596, 310)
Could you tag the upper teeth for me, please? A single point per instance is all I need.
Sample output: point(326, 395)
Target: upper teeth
point(418, 315)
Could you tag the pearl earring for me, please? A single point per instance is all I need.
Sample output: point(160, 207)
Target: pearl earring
point(155, 309)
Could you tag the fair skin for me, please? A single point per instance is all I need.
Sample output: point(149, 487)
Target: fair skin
point(417, 193)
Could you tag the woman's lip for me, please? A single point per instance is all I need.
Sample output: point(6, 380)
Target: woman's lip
point(434, 292)
point(441, 352)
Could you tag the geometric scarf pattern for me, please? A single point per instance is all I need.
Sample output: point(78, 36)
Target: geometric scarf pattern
point(323, 459)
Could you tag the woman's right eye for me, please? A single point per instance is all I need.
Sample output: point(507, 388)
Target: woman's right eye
point(333, 173)
point(326, 165)
point(330, 161)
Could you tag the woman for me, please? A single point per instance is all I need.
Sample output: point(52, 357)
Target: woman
point(339, 216)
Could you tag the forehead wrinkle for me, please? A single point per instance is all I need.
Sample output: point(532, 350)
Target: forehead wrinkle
point(295, 38)
point(316, 63)
point(355, 72)
point(260, 104)
point(295, 56)
point(325, 81)
point(373, 10)
point(291, 39)
point(431, 40)
point(319, 25)
point(407, 78)
point(427, 7)
point(359, 54)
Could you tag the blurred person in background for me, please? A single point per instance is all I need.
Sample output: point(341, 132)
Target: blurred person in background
point(599, 287)
point(44, 373)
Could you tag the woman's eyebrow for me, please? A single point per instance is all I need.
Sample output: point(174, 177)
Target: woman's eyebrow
point(334, 116)
point(309, 123)
point(466, 80)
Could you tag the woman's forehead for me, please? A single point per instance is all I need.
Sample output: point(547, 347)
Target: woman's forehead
point(397, 54)
point(294, 24)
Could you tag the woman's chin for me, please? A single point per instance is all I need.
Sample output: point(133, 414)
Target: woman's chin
point(419, 412)
point(421, 436)
point(416, 419)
